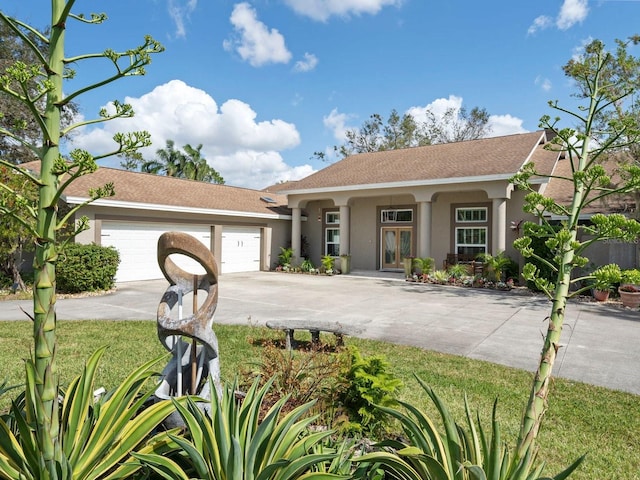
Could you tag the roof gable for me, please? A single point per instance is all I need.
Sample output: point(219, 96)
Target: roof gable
point(483, 158)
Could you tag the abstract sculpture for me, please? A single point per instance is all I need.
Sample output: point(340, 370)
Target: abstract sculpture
point(194, 365)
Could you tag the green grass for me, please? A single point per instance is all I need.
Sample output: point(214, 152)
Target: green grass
point(580, 419)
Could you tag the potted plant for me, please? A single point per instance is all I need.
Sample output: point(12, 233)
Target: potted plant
point(604, 279)
point(629, 289)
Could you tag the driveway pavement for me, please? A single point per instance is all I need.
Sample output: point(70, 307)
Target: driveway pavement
point(600, 342)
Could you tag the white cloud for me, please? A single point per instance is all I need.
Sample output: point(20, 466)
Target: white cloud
point(309, 63)
point(505, 125)
point(337, 123)
point(245, 151)
point(179, 11)
point(321, 10)
point(572, 12)
point(255, 43)
point(543, 83)
point(498, 124)
point(438, 107)
point(540, 23)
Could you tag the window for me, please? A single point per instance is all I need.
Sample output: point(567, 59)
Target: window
point(332, 234)
point(396, 215)
point(471, 241)
point(332, 218)
point(332, 242)
point(471, 215)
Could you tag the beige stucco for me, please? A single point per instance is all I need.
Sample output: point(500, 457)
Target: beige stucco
point(432, 204)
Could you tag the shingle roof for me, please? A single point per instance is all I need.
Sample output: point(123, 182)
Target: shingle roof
point(146, 188)
point(561, 190)
point(496, 156)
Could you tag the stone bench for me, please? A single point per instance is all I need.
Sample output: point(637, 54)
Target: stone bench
point(314, 327)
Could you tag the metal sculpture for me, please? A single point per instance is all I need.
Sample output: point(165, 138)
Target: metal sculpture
point(194, 365)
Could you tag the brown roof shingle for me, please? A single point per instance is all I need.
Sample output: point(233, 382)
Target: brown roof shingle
point(496, 156)
point(146, 188)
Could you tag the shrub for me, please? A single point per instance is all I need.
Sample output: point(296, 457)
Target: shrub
point(86, 268)
point(366, 384)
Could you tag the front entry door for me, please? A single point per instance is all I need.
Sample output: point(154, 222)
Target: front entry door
point(396, 245)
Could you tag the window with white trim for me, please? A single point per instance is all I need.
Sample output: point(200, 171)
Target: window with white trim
point(396, 215)
point(471, 215)
point(471, 240)
point(332, 234)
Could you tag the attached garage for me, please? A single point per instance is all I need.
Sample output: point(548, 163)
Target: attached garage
point(240, 249)
point(137, 243)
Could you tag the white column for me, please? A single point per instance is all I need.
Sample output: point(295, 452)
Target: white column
point(424, 229)
point(345, 221)
point(296, 233)
point(499, 242)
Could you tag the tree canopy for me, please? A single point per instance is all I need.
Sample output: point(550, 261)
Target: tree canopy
point(375, 135)
point(188, 163)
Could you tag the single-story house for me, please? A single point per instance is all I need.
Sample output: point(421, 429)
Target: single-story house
point(244, 228)
point(447, 201)
point(438, 201)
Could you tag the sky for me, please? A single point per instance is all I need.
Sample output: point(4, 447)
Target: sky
point(264, 84)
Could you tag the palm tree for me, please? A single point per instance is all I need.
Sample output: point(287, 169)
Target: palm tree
point(197, 168)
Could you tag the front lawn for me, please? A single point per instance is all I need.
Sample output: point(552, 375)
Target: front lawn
point(581, 418)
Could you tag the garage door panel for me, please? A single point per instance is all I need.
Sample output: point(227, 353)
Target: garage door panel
point(137, 243)
point(240, 249)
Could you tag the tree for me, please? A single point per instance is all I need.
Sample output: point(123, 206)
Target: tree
point(189, 164)
point(455, 125)
point(38, 86)
point(15, 237)
point(597, 134)
point(15, 114)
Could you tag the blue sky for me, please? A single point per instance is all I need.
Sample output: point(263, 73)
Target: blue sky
point(264, 84)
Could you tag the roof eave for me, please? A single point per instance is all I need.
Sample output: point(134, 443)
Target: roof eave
point(103, 202)
point(409, 183)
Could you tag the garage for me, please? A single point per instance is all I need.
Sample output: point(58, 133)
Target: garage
point(240, 249)
point(137, 243)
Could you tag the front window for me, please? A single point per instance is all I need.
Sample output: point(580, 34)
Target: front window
point(471, 215)
point(332, 234)
point(471, 240)
point(332, 242)
point(398, 215)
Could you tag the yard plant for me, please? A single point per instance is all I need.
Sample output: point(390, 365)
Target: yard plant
point(38, 87)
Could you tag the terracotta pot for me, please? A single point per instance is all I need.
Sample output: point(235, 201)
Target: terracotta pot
point(629, 299)
point(601, 295)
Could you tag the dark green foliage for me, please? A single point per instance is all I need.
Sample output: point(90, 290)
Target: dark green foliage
point(367, 384)
point(87, 268)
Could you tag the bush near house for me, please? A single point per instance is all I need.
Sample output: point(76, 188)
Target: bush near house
point(86, 268)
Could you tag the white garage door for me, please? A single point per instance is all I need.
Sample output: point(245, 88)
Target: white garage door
point(137, 243)
point(240, 249)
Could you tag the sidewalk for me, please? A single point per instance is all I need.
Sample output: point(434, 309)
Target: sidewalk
point(600, 342)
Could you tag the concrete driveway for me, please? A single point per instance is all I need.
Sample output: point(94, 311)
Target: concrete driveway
point(600, 342)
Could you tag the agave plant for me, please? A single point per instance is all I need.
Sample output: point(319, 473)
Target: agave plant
point(228, 441)
point(456, 454)
point(96, 436)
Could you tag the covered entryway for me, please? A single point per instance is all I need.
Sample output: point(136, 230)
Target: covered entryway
point(396, 245)
point(240, 249)
point(137, 243)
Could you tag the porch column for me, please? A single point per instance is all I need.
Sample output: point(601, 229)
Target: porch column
point(345, 222)
point(499, 227)
point(424, 229)
point(296, 233)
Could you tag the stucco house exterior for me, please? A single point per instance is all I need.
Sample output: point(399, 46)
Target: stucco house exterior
point(432, 201)
point(244, 228)
point(437, 201)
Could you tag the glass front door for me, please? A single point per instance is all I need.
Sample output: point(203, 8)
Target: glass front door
point(396, 245)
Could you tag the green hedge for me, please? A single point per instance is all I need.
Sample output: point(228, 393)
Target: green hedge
point(86, 268)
